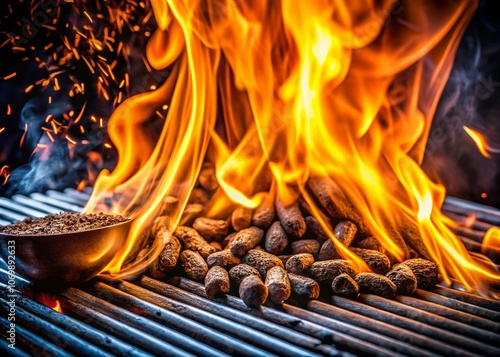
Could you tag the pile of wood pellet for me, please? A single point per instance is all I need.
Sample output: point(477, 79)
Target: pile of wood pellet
point(277, 251)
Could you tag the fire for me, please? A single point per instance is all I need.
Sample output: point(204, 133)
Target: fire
point(51, 302)
point(288, 91)
point(491, 242)
point(479, 140)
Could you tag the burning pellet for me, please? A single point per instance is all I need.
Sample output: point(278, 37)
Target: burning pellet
point(278, 284)
point(245, 240)
point(328, 251)
point(310, 246)
point(224, 258)
point(160, 223)
point(377, 261)
point(291, 218)
point(216, 245)
point(228, 240)
point(411, 235)
point(241, 271)
point(327, 193)
point(397, 239)
point(211, 229)
point(304, 286)
point(192, 240)
point(402, 276)
point(241, 218)
point(261, 260)
point(252, 291)
point(372, 283)
point(167, 260)
point(425, 271)
point(169, 206)
point(216, 282)
point(370, 243)
point(276, 239)
point(207, 178)
point(325, 271)
point(345, 232)
point(344, 285)
point(304, 207)
point(194, 265)
point(198, 195)
point(190, 213)
point(334, 201)
point(315, 228)
point(299, 262)
point(144, 252)
point(264, 214)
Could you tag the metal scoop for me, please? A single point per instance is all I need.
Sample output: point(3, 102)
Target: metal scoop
point(66, 258)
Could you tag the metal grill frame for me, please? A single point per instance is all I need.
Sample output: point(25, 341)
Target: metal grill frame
point(148, 317)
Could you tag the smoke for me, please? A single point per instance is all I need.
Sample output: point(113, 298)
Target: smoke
point(470, 99)
point(65, 70)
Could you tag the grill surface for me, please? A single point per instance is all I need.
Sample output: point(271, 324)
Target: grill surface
point(148, 317)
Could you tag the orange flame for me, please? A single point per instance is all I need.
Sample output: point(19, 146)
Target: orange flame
point(479, 140)
point(491, 242)
point(328, 89)
point(51, 302)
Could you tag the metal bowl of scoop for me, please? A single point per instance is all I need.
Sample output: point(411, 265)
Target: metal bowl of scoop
point(65, 258)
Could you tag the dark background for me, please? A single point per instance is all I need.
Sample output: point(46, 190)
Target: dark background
point(471, 97)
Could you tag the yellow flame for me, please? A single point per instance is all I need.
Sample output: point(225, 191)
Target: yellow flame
point(330, 89)
point(479, 140)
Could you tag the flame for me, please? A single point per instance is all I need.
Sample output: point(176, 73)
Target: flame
point(51, 302)
point(491, 241)
point(337, 90)
point(479, 140)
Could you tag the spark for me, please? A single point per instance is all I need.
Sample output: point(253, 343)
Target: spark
point(79, 117)
point(12, 75)
point(70, 140)
point(88, 16)
point(21, 142)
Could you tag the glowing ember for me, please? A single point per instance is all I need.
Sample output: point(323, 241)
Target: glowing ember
point(51, 302)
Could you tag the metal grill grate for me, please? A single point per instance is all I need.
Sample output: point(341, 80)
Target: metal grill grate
point(174, 318)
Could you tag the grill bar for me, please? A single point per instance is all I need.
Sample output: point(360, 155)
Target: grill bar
point(129, 293)
point(450, 313)
point(467, 209)
point(54, 334)
point(354, 335)
point(77, 328)
point(29, 202)
point(150, 317)
point(56, 202)
point(431, 319)
point(33, 343)
point(27, 211)
point(277, 330)
point(458, 305)
point(468, 298)
point(413, 325)
point(389, 330)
